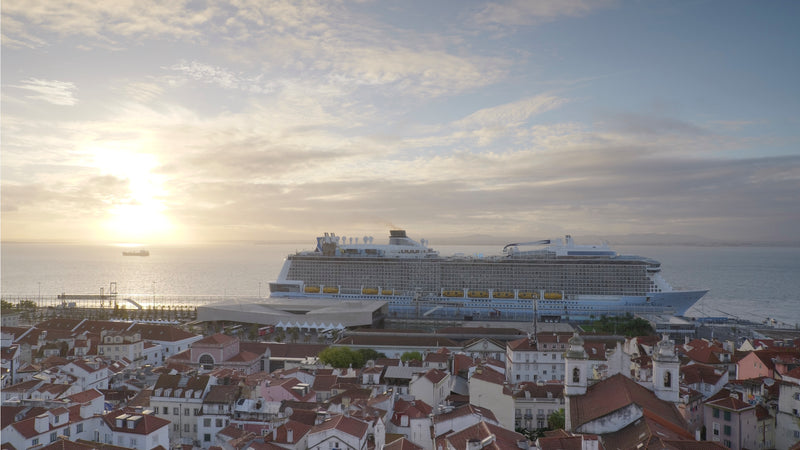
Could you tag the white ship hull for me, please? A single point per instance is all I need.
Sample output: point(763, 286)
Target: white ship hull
point(562, 282)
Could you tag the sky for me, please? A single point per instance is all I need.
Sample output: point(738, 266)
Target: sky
point(202, 121)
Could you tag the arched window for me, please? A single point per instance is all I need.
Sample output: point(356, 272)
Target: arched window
point(576, 375)
point(206, 361)
point(668, 379)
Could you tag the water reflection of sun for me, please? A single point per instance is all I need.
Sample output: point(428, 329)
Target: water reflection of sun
point(139, 216)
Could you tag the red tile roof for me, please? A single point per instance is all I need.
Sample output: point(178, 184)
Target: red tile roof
point(164, 333)
point(232, 431)
point(615, 393)
point(496, 438)
point(560, 443)
point(174, 382)
point(462, 362)
point(96, 326)
point(466, 410)
point(63, 324)
point(8, 414)
point(416, 409)
point(702, 351)
point(54, 361)
point(762, 413)
point(298, 429)
point(146, 425)
point(402, 444)
point(308, 417)
point(387, 362)
point(646, 432)
point(215, 339)
point(480, 330)
point(489, 375)
point(700, 373)
point(284, 350)
point(411, 341)
point(243, 357)
point(349, 425)
point(224, 394)
point(731, 403)
point(692, 445)
point(435, 375)
point(436, 357)
point(324, 383)
point(534, 390)
point(26, 427)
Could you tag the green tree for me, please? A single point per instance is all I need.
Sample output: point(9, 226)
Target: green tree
point(556, 420)
point(370, 354)
point(625, 325)
point(5, 305)
point(408, 356)
point(341, 357)
point(26, 304)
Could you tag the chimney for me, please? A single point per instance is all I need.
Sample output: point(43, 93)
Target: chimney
point(289, 435)
point(42, 423)
point(346, 405)
point(86, 410)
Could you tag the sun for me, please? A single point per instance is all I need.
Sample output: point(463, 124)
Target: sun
point(143, 222)
point(139, 215)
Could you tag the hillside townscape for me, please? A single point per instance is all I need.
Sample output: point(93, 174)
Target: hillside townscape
point(80, 383)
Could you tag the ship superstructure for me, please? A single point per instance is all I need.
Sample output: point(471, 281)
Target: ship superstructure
point(559, 279)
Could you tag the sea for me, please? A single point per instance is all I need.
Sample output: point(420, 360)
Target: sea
point(747, 282)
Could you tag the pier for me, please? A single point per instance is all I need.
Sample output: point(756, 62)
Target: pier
point(34, 308)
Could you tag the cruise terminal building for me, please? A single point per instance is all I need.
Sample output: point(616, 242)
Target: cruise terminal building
point(299, 310)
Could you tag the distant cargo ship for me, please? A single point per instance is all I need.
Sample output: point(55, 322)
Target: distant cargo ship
point(136, 253)
point(553, 279)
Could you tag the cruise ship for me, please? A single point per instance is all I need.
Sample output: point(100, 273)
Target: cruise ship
point(553, 280)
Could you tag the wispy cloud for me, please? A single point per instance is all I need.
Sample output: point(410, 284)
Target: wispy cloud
point(221, 77)
point(290, 116)
point(60, 93)
point(511, 114)
point(103, 22)
point(524, 12)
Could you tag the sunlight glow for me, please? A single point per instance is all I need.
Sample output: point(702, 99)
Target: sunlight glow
point(141, 223)
point(140, 215)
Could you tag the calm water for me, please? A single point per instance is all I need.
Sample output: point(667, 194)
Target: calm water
point(748, 282)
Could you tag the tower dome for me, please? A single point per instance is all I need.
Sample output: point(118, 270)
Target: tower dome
point(576, 350)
